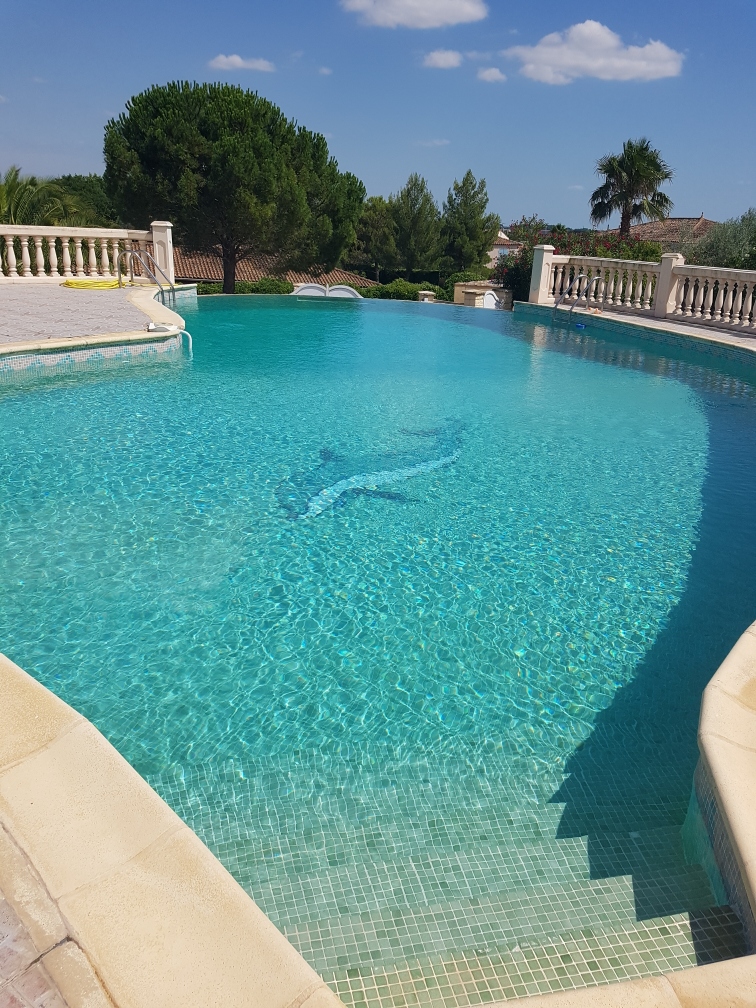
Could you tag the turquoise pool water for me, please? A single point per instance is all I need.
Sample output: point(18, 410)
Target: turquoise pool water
point(365, 580)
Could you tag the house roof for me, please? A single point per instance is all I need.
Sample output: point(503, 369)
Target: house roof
point(195, 266)
point(504, 241)
point(673, 229)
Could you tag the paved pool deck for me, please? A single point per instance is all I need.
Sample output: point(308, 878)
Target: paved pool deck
point(30, 313)
point(24, 981)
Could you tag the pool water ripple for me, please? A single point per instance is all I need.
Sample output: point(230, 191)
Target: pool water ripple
point(425, 650)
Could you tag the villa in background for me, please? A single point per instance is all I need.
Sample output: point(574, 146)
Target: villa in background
point(674, 233)
point(192, 267)
point(503, 246)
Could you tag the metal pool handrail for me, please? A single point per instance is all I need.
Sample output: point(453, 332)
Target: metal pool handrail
point(140, 254)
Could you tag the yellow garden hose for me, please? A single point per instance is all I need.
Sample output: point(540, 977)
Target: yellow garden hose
point(91, 284)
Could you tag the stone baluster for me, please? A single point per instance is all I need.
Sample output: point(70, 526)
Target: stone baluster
point(749, 312)
point(52, 255)
point(636, 300)
point(79, 258)
point(719, 301)
point(646, 303)
point(627, 294)
point(39, 256)
point(611, 284)
point(10, 256)
point(744, 305)
point(558, 277)
point(66, 243)
point(104, 261)
point(114, 251)
point(92, 257)
point(729, 298)
point(600, 286)
point(708, 298)
point(679, 295)
point(25, 260)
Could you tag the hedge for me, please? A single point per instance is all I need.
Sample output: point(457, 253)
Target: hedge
point(267, 285)
point(401, 290)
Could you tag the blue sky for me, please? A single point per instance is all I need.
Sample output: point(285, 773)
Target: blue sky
point(434, 86)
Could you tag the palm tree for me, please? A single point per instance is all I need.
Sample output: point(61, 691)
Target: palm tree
point(25, 199)
point(631, 186)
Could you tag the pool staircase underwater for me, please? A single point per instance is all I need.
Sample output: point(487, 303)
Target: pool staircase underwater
point(406, 886)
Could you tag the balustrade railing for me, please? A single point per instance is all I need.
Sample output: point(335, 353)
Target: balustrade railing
point(30, 253)
point(721, 297)
point(718, 297)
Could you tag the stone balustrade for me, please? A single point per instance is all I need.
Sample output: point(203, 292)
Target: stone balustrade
point(44, 254)
point(669, 289)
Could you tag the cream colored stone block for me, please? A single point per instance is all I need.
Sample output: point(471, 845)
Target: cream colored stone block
point(736, 675)
point(156, 311)
point(653, 992)
point(30, 715)
point(322, 998)
point(171, 928)
point(21, 886)
point(78, 810)
point(730, 984)
point(727, 717)
point(72, 974)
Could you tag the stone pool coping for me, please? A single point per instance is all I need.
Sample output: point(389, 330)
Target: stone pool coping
point(142, 297)
point(123, 902)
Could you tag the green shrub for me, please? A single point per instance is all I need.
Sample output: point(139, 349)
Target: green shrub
point(464, 277)
point(401, 290)
point(731, 244)
point(268, 285)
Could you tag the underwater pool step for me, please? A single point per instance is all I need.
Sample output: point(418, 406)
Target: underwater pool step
point(322, 846)
point(571, 959)
point(488, 924)
point(427, 876)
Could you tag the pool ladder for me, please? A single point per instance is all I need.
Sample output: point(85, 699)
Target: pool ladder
point(580, 276)
point(142, 256)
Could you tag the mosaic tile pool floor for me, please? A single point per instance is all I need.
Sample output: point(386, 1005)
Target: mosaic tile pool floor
point(440, 724)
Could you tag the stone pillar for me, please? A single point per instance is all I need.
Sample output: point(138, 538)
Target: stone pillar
point(666, 286)
point(540, 278)
point(162, 248)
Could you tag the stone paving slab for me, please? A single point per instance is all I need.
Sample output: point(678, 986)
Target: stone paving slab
point(24, 982)
point(28, 312)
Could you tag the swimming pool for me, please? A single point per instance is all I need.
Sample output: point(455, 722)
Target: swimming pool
point(407, 610)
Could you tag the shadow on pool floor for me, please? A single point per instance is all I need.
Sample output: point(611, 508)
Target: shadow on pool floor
point(629, 783)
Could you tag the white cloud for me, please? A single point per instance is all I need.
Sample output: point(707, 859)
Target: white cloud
point(222, 62)
point(434, 143)
point(492, 75)
point(475, 55)
point(576, 187)
point(417, 13)
point(590, 49)
point(3, 99)
point(443, 59)
point(325, 71)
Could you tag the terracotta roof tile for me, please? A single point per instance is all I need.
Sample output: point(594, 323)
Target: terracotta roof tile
point(673, 229)
point(194, 266)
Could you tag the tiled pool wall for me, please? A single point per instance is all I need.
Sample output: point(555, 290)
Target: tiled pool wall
point(58, 362)
point(724, 855)
point(711, 344)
